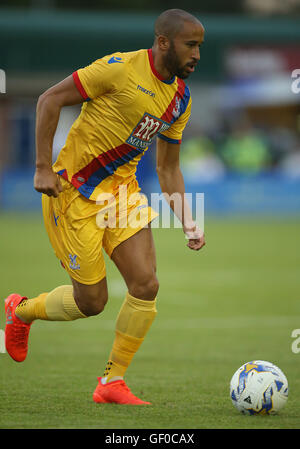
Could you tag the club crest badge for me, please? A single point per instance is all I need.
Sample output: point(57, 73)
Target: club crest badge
point(74, 265)
point(176, 109)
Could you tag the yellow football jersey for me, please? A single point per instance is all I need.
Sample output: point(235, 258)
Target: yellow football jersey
point(127, 105)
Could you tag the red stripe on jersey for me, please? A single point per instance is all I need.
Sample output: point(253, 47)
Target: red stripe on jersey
point(155, 72)
point(100, 161)
point(79, 86)
point(168, 114)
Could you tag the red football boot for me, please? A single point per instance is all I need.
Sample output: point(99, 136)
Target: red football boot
point(16, 331)
point(116, 392)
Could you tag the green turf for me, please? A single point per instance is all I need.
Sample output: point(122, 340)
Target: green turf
point(235, 301)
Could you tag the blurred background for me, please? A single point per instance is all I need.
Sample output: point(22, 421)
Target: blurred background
point(235, 301)
point(242, 144)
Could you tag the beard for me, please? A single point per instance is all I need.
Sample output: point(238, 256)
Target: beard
point(172, 63)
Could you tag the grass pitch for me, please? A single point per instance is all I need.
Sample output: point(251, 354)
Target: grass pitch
point(234, 301)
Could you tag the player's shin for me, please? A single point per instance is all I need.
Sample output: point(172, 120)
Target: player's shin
point(133, 322)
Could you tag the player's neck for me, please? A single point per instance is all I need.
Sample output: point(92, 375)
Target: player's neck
point(159, 65)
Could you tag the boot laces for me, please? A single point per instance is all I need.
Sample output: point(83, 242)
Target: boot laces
point(21, 332)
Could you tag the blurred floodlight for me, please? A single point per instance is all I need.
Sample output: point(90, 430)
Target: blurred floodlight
point(272, 6)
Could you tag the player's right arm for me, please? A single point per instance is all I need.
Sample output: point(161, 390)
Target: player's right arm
point(48, 110)
point(105, 75)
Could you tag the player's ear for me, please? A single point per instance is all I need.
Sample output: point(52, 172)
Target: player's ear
point(163, 43)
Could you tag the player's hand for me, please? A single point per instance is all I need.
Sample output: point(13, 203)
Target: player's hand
point(195, 237)
point(48, 182)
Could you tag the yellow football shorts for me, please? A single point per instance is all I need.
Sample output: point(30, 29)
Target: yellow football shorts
point(79, 228)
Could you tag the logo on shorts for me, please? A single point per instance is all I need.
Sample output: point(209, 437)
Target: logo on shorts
point(74, 265)
point(145, 131)
point(55, 218)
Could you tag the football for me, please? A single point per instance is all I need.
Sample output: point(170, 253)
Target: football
point(259, 387)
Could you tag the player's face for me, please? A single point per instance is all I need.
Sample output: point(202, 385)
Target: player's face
point(184, 52)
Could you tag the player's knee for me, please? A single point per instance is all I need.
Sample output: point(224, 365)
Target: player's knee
point(92, 303)
point(97, 306)
point(145, 288)
point(153, 286)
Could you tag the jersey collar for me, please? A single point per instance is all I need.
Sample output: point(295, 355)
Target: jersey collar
point(155, 72)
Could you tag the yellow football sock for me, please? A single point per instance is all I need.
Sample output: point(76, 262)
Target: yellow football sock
point(133, 322)
point(58, 305)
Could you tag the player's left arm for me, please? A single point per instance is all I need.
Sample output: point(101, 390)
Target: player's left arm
point(172, 185)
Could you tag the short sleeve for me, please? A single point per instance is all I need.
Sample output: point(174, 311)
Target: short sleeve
point(105, 75)
point(174, 133)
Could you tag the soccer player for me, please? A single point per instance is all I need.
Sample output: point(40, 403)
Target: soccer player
point(128, 99)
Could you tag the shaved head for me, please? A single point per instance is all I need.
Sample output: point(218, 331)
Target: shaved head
point(170, 22)
point(176, 47)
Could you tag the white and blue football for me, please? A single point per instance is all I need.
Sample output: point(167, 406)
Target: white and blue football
point(259, 387)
